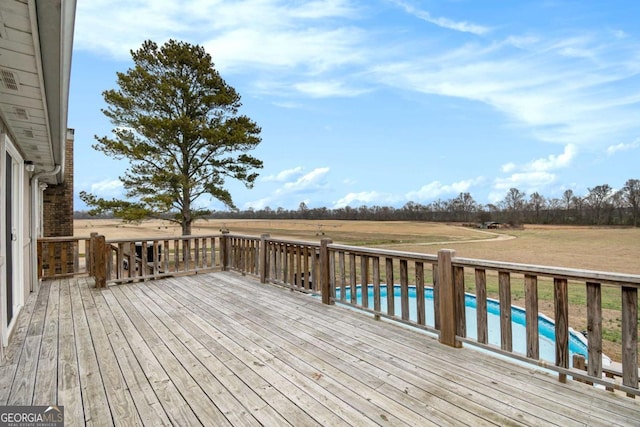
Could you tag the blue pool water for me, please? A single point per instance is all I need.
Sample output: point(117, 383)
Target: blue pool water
point(577, 343)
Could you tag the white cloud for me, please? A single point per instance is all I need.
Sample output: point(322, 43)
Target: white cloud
point(559, 89)
point(313, 50)
point(295, 185)
point(613, 149)
point(436, 189)
point(508, 167)
point(553, 161)
point(260, 33)
point(287, 104)
point(532, 176)
point(364, 198)
point(528, 180)
point(582, 99)
point(107, 188)
point(284, 175)
point(322, 89)
point(311, 179)
point(447, 23)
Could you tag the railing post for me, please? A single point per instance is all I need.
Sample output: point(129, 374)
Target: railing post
point(89, 256)
point(224, 250)
point(325, 276)
point(448, 303)
point(99, 257)
point(40, 259)
point(630, 337)
point(263, 258)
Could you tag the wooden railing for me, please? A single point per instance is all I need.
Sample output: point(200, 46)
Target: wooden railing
point(134, 259)
point(60, 257)
point(338, 273)
point(445, 276)
point(290, 263)
point(294, 264)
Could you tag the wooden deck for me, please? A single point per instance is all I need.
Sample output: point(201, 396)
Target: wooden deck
point(221, 349)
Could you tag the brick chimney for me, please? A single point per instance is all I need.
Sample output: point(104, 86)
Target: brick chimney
point(58, 199)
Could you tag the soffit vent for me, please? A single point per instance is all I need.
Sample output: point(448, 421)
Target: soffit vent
point(21, 113)
point(9, 80)
point(28, 133)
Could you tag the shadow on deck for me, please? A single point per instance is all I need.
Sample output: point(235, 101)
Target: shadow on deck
point(222, 349)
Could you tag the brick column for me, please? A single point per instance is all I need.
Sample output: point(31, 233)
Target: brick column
point(57, 201)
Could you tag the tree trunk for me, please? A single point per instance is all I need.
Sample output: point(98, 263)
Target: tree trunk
point(186, 227)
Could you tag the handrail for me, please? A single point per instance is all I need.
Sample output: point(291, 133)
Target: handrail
point(550, 271)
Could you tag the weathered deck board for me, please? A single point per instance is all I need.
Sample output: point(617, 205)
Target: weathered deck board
point(203, 347)
point(222, 349)
point(147, 404)
point(445, 379)
point(334, 374)
point(46, 386)
point(154, 372)
point(504, 376)
point(69, 393)
point(118, 395)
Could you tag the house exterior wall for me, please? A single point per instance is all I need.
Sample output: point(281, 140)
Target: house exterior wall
point(14, 242)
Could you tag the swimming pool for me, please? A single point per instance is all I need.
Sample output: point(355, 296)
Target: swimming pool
point(546, 326)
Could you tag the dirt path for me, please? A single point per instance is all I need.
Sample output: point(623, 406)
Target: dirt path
point(496, 237)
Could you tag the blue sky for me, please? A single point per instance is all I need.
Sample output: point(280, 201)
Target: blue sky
point(382, 102)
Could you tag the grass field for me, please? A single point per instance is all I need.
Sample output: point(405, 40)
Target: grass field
point(591, 248)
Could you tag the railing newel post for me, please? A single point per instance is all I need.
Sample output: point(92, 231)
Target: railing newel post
point(448, 303)
point(99, 258)
point(90, 257)
point(263, 263)
point(224, 250)
point(325, 279)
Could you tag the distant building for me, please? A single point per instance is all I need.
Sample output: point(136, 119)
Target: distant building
point(36, 149)
point(492, 225)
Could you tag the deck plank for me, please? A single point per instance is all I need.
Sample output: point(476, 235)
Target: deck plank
point(182, 345)
point(201, 404)
point(123, 410)
point(294, 414)
point(222, 349)
point(12, 353)
point(202, 345)
point(175, 405)
point(503, 375)
point(331, 376)
point(94, 399)
point(147, 403)
point(321, 347)
point(46, 381)
point(290, 388)
point(364, 369)
point(69, 391)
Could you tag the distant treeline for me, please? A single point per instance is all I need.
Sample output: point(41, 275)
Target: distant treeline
point(601, 206)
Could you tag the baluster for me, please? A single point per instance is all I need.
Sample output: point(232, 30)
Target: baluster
point(481, 305)
point(531, 306)
point(504, 284)
point(560, 294)
point(390, 286)
point(419, 266)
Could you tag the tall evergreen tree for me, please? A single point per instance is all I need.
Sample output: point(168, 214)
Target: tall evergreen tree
point(177, 123)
